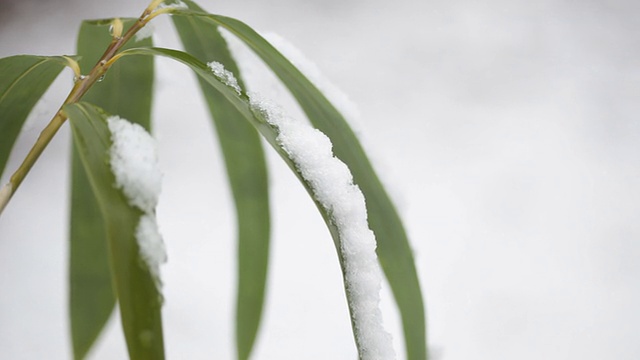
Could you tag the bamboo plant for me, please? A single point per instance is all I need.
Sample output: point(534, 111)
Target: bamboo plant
point(113, 77)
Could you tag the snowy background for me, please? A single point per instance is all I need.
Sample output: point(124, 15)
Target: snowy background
point(507, 130)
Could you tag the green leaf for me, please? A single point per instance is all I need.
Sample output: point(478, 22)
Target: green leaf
point(394, 251)
point(269, 132)
point(126, 91)
point(127, 86)
point(247, 172)
point(91, 294)
point(23, 81)
point(138, 297)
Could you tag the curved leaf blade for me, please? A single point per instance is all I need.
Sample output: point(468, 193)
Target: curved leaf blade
point(247, 174)
point(23, 81)
point(268, 131)
point(394, 252)
point(138, 297)
point(126, 91)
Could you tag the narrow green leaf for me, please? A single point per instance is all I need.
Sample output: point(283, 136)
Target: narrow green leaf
point(269, 132)
point(91, 294)
point(23, 81)
point(240, 102)
point(247, 172)
point(138, 298)
point(125, 91)
point(394, 251)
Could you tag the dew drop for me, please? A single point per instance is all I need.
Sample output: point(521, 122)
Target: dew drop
point(79, 78)
point(101, 78)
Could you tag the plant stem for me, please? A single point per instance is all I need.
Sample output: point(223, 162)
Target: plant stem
point(82, 85)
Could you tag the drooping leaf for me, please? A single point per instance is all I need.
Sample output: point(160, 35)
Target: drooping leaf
point(23, 81)
point(247, 172)
point(126, 91)
point(268, 131)
point(138, 297)
point(393, 250)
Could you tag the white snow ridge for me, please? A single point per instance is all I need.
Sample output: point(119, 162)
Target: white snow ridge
point(224, 75)
point(134, 163)
point(333, 187)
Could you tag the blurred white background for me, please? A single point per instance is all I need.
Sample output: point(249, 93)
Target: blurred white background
point(508, 131)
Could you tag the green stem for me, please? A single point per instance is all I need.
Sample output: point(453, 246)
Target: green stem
point(82, 85)
point(43, 140)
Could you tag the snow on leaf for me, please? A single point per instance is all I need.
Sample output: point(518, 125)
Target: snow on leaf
point(152, 249)
point(346, 107)
point(224, 75)
point(134, 163)
point(335, 95)
point(332, 185)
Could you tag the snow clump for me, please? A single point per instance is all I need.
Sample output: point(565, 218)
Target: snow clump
point(224, 75)
point(134, 163)
point(151, 246)
point(332, 185)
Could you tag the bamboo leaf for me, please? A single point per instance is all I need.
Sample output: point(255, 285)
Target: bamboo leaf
point(138, 296)
point(270, 132)
point(127, 86)
point(23, 81)
point(247, 172)
point(393, 250)
point(91, 295)
point(126, 91)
